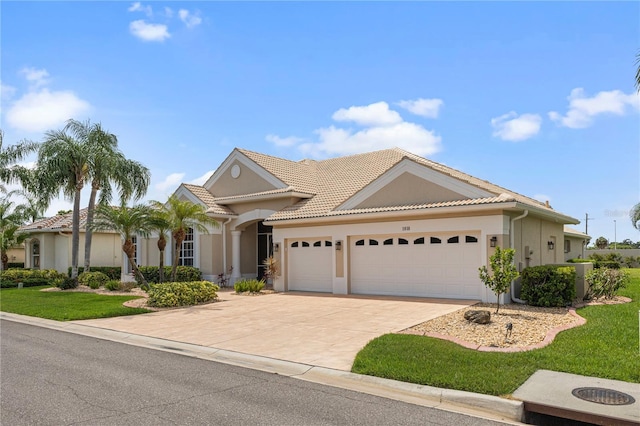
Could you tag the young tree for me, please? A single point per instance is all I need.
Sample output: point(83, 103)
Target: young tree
point(127, 221)
point(601, 242)
point(106, 165)
point(634, 215)
point(182, 215)
point(503, 271)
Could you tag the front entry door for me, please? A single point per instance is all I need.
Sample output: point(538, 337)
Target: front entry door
point(265, 247)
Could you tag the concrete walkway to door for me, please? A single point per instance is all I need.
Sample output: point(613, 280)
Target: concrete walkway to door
point(316, 329)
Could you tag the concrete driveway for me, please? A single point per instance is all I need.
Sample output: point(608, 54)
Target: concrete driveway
point(316, 329)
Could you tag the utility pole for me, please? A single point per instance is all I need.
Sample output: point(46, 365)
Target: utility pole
point(586, 223)
point(615, 235)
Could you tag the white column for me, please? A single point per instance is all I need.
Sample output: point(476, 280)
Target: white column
point(235, 256)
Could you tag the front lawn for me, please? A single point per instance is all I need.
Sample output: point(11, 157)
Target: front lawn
point(606, 346)
point(64, 305)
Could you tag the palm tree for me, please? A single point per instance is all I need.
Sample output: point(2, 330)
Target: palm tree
point(634, 214)
point(182, 215)
point(32, 209)
point(127, 221)
point(63, 164)
point(638, 72)
point(10, 221)
point(9, 156)
point(106, 164)
point(161, 225)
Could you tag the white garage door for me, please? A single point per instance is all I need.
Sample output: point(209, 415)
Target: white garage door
point(310, 267)
point(421, 265)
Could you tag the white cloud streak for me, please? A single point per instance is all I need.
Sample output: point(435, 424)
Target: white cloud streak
point(583, 109)
point(429, 108)
point(189, 19)
point(138, 7)
point(35, 77)
point(376, 114)
point(202, 179)
point(170, 183)
point(283, 142)
point(149, 32)
point(514, 128)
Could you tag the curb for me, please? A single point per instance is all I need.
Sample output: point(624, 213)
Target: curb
point(479, 405)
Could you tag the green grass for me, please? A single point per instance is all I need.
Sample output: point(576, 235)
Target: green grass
point(606, 346)
point(64, 306)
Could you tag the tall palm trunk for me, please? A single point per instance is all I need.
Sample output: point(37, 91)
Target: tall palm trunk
point(129, 250)
point(75, 234)
point(162, 244)
point(178, 237)
point(88, 232)
point(5, 260)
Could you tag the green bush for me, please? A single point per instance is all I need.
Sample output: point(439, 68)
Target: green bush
point(92, 279)
point(183, 274)
point(11, 277)
point(67, 283)
point(579, 260)
point(610, 264)
point(116, 285)
point(113, 272)
point(549, 285)
point(605, 282)
point(252, 286)
point(596, 257)
point(182, 293)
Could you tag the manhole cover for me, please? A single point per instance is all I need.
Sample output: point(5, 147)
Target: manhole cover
point(603, 396)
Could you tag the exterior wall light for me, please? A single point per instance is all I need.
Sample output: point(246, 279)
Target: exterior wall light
point(550, 244)
point(276, 247)
point(338, 245)
point(493, 241)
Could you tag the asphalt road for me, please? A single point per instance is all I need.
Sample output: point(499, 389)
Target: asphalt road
point(49, 377)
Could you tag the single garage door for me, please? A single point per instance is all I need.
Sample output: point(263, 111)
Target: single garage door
point(443, 265)
point(310, 267)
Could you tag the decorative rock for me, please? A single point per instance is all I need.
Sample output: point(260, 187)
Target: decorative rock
point(479, 317)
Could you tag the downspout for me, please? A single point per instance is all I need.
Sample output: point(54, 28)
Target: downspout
point(224, 245)
point(512, 242)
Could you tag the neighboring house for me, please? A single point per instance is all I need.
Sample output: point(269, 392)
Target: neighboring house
point(49, 244)
point(384, 223)
point(16, 254)
point(575, 243)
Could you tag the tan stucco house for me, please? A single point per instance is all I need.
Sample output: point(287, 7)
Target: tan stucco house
point(383, 223)
point(49, 244)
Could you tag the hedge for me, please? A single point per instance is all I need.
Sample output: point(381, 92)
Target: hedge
point(183, 274)
point(113, 272)
point(182, 293)
point(549, 285)
point(29, 277)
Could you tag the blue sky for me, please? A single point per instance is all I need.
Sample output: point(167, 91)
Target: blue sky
point(536, 97)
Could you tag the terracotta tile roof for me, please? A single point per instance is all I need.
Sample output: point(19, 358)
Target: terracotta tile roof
point(57, 223)
point(574, 232)
point(286, 190)
point(301, 175)
point(208, 199)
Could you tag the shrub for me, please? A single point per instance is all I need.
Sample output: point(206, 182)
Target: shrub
point(67, 283)
point(93, 279)
point(632, 261)
point(596, 257)
point(113, 272)
point(116, 285)
point(183, 274)
point(605, 282)
point(42, 276)
point(579, 260)
point(549, 285)
point(252, 286)
point(182, 293)
point(610, 264)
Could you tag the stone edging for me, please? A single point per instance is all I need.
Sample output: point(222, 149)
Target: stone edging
point(547, 340)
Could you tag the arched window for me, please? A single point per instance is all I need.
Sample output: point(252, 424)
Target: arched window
point(470, 239)
point(434, 240)
point(402, 241)
point(373, 242)
point(419, 240)
point(305, 244)
point(317, 244)
point(360, 242)
point(294, 244)
point(35, 254)
point(388, 242)
point(453, 240)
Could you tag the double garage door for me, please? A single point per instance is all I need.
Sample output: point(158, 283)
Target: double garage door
point(420, 265)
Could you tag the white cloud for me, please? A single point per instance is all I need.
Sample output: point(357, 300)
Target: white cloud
point(511, 127)
point(168, 12)
point(138, 7)
point(429, 108)
point(202, 179)
point(44, 109)
point(583, 109)
point(35, 77)
point(384, 128)
point(278, 141)
point(189, 19)
point(170, 183)
point(6, 91)
point(377, 114)
point(149, 32)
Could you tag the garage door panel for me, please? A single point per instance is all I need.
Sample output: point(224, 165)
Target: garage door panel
point(310, 266)
point(428, 266)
